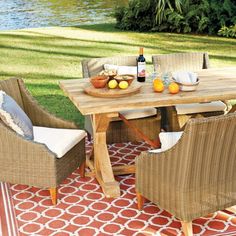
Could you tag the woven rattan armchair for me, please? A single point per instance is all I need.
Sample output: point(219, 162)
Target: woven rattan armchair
point(176, 117)
point(197, 175)
point(118, 130)
point(27, 162)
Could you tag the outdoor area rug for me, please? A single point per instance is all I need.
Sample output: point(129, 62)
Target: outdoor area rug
point(83, 210)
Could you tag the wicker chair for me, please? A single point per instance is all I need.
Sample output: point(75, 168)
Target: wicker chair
point(178, 116)
point(118, 131)
point(197, 175)
point(29, 162)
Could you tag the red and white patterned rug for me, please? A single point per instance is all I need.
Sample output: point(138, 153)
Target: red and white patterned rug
point(83, 210)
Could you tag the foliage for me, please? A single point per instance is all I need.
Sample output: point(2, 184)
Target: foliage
point(228, 31)
point(192, 18)
point(199, 16)
point(128, 18)
point(161, 7)
point(223, 13)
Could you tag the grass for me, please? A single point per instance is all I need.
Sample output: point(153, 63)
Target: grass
point(44, 56)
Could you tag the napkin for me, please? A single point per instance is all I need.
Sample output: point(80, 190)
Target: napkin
point(185, 77)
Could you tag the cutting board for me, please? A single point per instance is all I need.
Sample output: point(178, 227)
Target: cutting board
point(134, 88)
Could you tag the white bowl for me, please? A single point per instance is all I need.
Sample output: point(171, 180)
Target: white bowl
point(187, 86)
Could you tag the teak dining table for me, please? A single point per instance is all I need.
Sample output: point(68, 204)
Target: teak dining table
point(215, 84)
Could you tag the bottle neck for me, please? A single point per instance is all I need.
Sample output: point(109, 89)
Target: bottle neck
point(141, 51)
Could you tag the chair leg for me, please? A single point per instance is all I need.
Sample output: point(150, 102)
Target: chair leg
point(53, 194)
point(187, 228)
point(140, 200)
point(82, 169)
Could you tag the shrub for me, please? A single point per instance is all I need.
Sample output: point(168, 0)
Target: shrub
point(200, 16)
point(139, 15)
point(223, 13)
point(228, 31)
point(192, 18)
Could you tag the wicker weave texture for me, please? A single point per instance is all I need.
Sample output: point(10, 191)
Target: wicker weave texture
point(93, 66)
point(177, 122)
point(181, 61)
point(38, 115)
point(197, 176)
point(118, 131)
point(12, 89)
point(27, 162)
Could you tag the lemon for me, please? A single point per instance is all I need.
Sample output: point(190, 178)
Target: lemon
point(123, 84)
point(112, 84)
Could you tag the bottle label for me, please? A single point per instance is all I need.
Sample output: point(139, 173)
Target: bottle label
point(141, 69)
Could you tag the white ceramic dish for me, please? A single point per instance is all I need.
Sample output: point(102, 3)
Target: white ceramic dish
point(187, 86)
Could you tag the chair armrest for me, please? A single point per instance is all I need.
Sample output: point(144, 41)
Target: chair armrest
point(85, 70)
point(24, 161)
point(40, 116)
point(156, 172)
point(206, 61)
point(22, 146)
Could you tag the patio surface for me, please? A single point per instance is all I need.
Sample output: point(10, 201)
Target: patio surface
point(82, 208)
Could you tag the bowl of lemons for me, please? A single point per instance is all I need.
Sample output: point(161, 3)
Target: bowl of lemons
point(128, 78)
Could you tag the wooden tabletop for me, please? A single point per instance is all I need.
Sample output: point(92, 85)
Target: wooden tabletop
point(215, 84)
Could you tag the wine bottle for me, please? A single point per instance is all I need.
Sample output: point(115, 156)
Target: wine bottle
point(141, 66)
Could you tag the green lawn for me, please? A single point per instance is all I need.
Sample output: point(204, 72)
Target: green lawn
point(44, 56)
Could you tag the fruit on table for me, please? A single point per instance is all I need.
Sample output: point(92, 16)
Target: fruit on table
point(126, 77)
point(158, 79)
point(158, 85)
point(112, 84)
point(123, 85)
point(173, 88)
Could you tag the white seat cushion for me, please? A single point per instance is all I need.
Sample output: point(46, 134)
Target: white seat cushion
point(140, 113)
point(193, 108)
point(168, 140)
point(59, 141)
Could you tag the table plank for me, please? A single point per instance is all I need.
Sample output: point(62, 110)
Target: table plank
point(215, 84)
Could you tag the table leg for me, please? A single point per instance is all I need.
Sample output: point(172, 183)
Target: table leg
point(140, 134)
point(102, 164)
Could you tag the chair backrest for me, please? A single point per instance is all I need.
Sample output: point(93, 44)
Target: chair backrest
point(181, 61)
point(208, 154)
point(11, 87)
point(93, 66)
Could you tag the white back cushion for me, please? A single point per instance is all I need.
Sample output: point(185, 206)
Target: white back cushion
point(14, 117)
point(168, 140)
